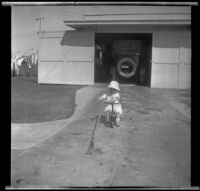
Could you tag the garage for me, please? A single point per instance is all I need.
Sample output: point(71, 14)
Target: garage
point(134, 45)
point(125, 57)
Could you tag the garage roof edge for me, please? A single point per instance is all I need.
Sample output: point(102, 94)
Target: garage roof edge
point(189, 3)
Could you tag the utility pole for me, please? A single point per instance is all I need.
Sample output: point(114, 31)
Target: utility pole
point(40, 26)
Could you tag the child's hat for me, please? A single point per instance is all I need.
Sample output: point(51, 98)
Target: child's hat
point(114, 85)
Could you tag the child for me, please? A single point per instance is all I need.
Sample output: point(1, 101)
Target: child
point(113, 97)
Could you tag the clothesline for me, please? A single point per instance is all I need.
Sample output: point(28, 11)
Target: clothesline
point(24, 52)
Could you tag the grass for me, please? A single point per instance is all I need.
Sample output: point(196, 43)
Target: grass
point(32, 102)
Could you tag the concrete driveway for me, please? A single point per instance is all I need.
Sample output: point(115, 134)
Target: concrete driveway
point(151, 148)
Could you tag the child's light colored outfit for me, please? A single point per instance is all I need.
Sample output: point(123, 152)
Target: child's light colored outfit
point(117, 106)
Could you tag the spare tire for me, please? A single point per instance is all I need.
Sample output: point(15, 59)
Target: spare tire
point(127, 67)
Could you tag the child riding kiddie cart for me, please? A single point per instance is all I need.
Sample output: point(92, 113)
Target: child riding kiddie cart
point(113, 108)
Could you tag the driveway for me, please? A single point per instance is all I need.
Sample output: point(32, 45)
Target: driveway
point(151, 147)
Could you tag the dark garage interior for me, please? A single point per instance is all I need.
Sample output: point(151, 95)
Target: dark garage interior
point(125, 57)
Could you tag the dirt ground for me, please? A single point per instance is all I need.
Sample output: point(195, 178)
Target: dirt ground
point(151, 147)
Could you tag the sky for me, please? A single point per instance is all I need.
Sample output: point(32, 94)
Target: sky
point(25, 27)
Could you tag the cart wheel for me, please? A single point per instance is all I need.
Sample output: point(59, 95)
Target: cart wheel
point(111, 124)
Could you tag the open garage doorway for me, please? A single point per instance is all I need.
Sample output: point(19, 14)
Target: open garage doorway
point(125, 57)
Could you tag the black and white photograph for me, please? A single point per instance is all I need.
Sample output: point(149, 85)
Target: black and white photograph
point(100, 94)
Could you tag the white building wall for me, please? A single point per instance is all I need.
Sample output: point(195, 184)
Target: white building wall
point(50, 68)
point(78, 54)
point(66, 58)
point(185, 61)
point(171, 59)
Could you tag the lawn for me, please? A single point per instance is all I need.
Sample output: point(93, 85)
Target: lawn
point(32, 102)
